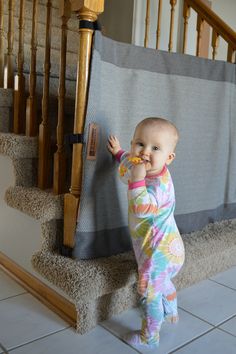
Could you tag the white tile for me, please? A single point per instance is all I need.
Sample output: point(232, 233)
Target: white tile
point(97, 341)
point(227, 278)
point(8, 287)
point(230, 326)
point(2, 350)
point(210, 301)
point(23, 319)
point(215, 342)
point(171, 336)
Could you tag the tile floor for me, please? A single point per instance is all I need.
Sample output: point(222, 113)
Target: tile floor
point(207, 323)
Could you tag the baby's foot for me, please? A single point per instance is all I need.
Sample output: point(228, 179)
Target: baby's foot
point(135, 340)
point(172, 318)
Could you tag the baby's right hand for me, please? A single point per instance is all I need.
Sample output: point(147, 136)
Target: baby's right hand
point(113, 145)
point(138, 172)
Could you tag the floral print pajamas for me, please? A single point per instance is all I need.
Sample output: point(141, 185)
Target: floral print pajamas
point(157, 245)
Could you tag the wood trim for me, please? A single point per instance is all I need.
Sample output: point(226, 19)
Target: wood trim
point(205, 40)
point(214, 21)
point(49, 297)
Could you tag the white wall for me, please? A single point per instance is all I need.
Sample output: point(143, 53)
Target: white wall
point(139, 24)
point(20, 235)
point(117, 19)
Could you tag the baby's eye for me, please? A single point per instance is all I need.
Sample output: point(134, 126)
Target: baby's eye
point(140, 144)
point(155, 148)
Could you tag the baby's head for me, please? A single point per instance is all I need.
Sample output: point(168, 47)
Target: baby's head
point(154, 141)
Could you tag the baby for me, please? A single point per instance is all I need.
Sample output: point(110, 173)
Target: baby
point(157, 244)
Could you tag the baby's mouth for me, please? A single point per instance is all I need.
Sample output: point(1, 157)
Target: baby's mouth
point(145, 160)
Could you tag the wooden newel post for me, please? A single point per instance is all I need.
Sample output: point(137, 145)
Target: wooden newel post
point(87, 11)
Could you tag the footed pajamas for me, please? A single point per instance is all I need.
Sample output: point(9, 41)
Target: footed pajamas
point(157, 245)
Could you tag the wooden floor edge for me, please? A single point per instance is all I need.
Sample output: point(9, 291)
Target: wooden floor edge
point(49, 297)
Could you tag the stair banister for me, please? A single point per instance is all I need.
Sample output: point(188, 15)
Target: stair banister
point(1, 45)
point(218, 25)
point(86, 10)
point(31, 111)
point(9, 58)
point(59, 168)
point(147, 23)
point(44, 128)
point(19, 89)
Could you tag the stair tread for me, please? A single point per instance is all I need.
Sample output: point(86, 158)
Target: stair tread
point(37, 203)
point(84, 280)
point(18, 146)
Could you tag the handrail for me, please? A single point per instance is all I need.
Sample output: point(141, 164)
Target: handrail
point(214, 21)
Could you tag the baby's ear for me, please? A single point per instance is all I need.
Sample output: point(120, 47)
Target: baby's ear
point(170, 158)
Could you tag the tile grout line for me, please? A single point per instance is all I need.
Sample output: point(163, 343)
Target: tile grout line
point(226, 286)
point(12, 296)
point(228, 319)
point(3, 348)
point(116, 336)
point(192, 340)
point(37, 339)
point(199, 318)
point(224, 330)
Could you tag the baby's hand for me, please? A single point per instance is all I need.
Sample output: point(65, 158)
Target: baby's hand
point(113, 145)
point(138, 172)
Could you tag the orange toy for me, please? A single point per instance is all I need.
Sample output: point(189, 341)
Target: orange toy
point(135, 160)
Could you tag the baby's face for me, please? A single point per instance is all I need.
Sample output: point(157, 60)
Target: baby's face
point(154, 145)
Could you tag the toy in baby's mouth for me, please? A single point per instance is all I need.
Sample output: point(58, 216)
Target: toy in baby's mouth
point(124, 168)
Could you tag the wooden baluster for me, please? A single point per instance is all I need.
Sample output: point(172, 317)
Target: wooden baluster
point(172, 14)
point(147, 23)
point(9, 58)
point(86, 10)
point(44, 128)
point(158, 32)
point(200, 24)
point(31, 105)
point(19, 92)
point(59, 174)
point(1, 45)
point(230, 54)
point(186, 15)
point(214, 43)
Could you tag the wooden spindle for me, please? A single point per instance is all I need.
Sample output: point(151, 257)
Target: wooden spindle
point(186, 15)
point(172, 16)
point(19, 92)
point(44, 128)
point(214, 43)
point(200, 24)
point(59, 174)
point(1, 45)
point(147, 23)
point(230, 54)
point(9, 58)
point(31, 105)
point(158, 31)
point(88, 11)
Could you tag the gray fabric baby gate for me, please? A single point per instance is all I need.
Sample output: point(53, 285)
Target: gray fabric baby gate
point(129, 83)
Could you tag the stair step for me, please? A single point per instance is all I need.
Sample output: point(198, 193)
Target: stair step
point(18, 146)
point(208, 252)
point(39, 204)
